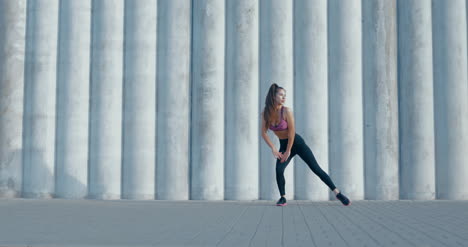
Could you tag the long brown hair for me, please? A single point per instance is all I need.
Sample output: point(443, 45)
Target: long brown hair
point(270, 104)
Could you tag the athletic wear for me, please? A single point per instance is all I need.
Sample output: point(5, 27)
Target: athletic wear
point(299, 147)
point(281, 202)
point(343, 199)
point(283, 124)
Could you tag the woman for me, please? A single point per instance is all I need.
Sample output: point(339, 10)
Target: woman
point(280, 120)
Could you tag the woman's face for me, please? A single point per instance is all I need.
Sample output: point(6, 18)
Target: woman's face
point(280, 97)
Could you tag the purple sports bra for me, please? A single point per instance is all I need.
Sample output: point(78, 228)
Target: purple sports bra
point(283, 124)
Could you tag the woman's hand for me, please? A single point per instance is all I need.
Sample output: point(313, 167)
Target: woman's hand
point(285, 156)
point(277, 154)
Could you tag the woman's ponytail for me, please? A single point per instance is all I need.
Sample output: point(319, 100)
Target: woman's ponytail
point(270, 103)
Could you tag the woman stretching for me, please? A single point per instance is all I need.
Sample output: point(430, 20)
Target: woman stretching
point(280, 120)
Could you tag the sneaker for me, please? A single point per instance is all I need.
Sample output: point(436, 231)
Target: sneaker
point(281, 202)
point(343, 199)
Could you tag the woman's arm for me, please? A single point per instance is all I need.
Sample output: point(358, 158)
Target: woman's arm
point(291, 133)
point(268, 141)
point(265, 136)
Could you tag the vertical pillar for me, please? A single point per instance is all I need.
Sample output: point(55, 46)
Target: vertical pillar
point(276, 66)
point(173, 124)
point(311, 97)
point(241, 99)
point(451, 102)
point(12, 46)
point(106, 99)
point(207, 182)
point(416, 113)
point(139, 137)
point(73, 99)
point(380, 99)
point(345, 97)
point(40, 97)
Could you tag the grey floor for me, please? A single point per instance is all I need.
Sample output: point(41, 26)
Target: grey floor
point(60, 222)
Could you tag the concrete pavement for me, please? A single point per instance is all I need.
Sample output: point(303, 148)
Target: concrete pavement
point(58, 222)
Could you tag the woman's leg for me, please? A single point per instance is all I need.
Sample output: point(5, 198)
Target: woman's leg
point(306, 154)
point(280, 167)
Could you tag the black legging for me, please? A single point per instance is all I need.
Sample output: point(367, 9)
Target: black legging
point(299, 147)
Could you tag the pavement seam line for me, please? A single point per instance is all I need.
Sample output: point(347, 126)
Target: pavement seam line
point(435, 226)
point(415, 229)
point(370, 236)
point(307, 224)
point(384, 226)
point(232, 226)
point(256, 229)
point(332, 225)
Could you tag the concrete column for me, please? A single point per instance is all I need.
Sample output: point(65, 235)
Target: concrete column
point(12, 46)
point(173, 124)
point(276, 66)
point(345, 97)
point(416, 114)
point(207, 169)
point(139, 125)
point(380, 99)
point(40, 92)
point(73, 99)
point(106, 99)
point(311, 98)
point(241, 98)
point(451, 102)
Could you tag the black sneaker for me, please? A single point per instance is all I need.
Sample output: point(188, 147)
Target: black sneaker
point(343, 199)
point(281, 202)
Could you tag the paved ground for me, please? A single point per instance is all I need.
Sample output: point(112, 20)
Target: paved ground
point(59, 222)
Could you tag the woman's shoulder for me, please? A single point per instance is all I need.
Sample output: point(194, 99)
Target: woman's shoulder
point(287, 109)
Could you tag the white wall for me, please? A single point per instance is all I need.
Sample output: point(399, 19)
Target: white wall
point(162, 99)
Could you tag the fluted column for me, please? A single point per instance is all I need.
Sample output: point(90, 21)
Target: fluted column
point(380, 99)
point(12, 51)
point(73, 99)
point(139, 128)
point(276, 66)
point(106, 99)
point(451, 101)
point(345, 96)
point(311, 98)
point(173, 157)
point(207, 182)
point(242, 99)
point(40, 98)
point(416, 113)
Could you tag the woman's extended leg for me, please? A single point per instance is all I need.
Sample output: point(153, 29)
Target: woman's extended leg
point(306, 154)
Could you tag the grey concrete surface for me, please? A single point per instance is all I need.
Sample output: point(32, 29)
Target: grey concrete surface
point(241, 136)
point(105, 133)
point(207, 114)
point(416, 112)
point(40, 74)
point(173, 100)
point(311, 104)
point(450, 101)
point(380, 95)
point(60, 222)
point(73, 99)
point(346, 144)
point(150, 99)
point(139, 142)
point(276, 66)
point(12, 50)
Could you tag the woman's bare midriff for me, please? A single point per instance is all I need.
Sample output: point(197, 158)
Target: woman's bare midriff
point(282, 134)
